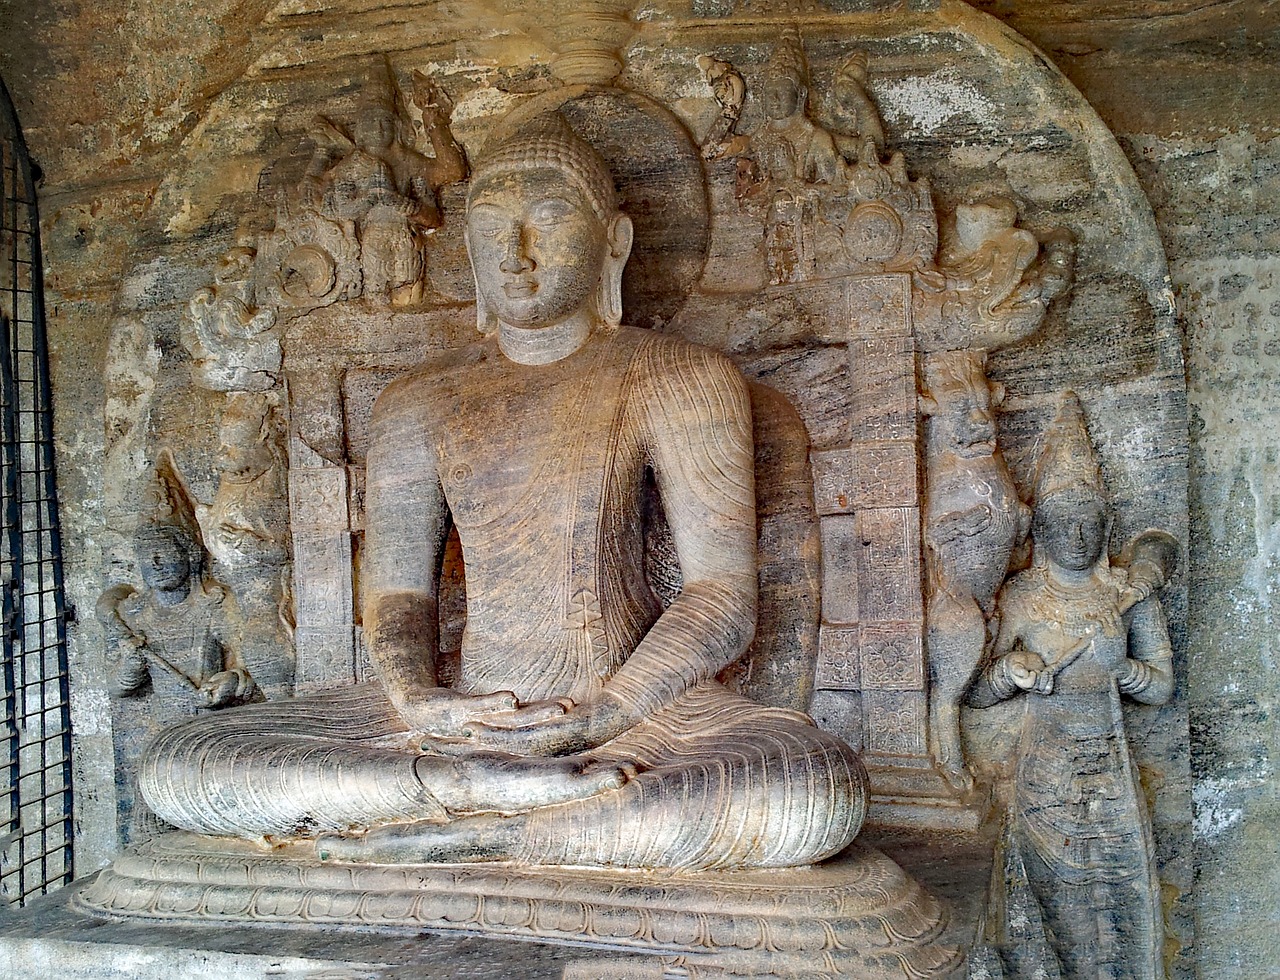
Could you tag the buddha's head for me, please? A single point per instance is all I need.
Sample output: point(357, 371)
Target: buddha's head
point(544, 232)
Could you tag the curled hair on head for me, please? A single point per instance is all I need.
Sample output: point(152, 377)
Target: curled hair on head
point(547, 142)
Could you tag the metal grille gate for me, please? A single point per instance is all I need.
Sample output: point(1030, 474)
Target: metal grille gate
point(35, 762)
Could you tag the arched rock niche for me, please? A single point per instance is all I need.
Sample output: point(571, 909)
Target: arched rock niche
point(973, 110)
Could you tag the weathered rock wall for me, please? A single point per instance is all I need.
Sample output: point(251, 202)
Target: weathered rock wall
point(1190, 89)
point(109, 93)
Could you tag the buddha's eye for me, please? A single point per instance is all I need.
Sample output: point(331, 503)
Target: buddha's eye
point(550, 213)
point(485, 222)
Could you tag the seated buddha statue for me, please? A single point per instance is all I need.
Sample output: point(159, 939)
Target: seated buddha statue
point(585, 725)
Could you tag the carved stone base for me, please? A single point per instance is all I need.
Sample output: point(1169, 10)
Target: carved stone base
point(918, 796)
point(857, 915)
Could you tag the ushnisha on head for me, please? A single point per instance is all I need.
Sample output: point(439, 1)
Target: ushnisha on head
point(546, 239)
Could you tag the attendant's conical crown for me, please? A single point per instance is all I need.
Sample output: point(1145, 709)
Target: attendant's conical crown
point(787, 61)
point(1067, 461)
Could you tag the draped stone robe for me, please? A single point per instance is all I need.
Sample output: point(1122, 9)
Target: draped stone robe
point(543, 470)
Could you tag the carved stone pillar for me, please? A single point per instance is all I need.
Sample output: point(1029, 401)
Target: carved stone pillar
point(324, 636)
point(871, 667)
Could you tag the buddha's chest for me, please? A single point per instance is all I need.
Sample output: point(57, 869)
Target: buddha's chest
point(529, 448)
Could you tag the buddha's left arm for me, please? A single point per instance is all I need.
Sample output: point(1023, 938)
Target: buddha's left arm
point(698, 422)
point(1147, 673)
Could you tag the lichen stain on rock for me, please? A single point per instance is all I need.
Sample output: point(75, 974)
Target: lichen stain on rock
point(927, 102)
point(1212, 800)
point(133, 360)
point(230, 178)
point(1231, 390)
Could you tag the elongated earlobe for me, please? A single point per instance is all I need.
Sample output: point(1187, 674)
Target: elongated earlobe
point(619, 238)
point(486, 322)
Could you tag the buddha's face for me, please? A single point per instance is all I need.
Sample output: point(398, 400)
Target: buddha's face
point(536, 245)
point(1072, 531)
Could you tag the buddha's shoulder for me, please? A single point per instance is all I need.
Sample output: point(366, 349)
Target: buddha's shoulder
point(661, 357)
point(423, 390)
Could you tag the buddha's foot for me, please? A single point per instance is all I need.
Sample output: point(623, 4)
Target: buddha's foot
point(495, 781)
point(480, 837)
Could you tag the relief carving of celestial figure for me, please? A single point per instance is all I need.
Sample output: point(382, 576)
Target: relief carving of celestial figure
point(354, 225)
point(791, 158)
point(854, 114)
point(585, 726)
point(1076, 635)
point(234, 345)
point(179, 635)
point(790, 145)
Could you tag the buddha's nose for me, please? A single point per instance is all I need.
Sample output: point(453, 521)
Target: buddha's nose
point(517, 258)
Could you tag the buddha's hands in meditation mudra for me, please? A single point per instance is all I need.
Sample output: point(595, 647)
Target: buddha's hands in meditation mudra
point(544, 728)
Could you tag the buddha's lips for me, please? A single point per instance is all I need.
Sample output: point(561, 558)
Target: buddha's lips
point(517, 288)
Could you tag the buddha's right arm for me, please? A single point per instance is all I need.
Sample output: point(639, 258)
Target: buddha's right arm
point(405, 525)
